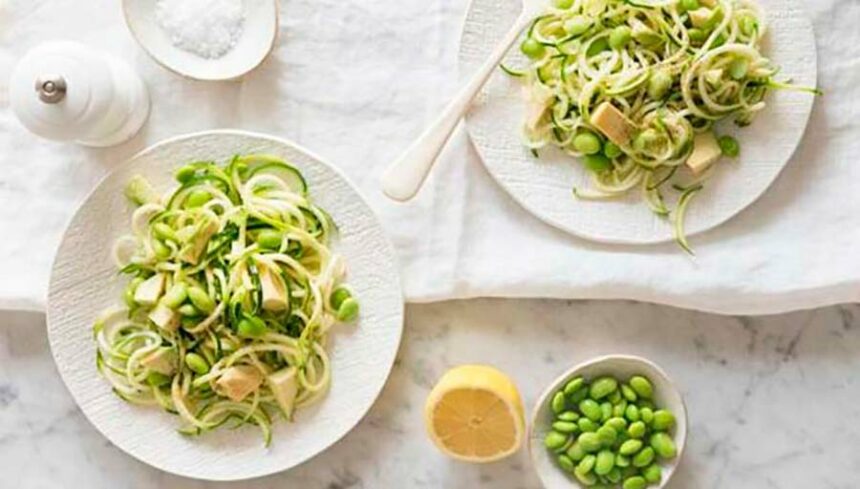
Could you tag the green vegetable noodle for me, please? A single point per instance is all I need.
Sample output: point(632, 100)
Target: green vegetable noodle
point(634, 89)
point(622, 451)
point(233, 290)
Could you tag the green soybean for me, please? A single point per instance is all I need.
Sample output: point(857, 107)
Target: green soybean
point(586, 464)
point(636, 430)
point(653, 473)
point(604, 462)
point(575, 452)
point(197, 198)
point(620, 37)
point(577, 25)
point(589, 442)
point(568, 416)
point(188, 310)
point(566, 463)
point(635, 482)
point(164, 232)
point(185, 173)
point(617, 423)
point(558, 403)
point(532, 48)
point(644, 457)
point(614, 475)
point(597, 47)
point(602, 387)
point(201, 299)
point(270, 239)
point(196, 363)
point(646, 415)
point(585, 478)
point(697, 35)
point(619, 409)
point(738, 68)
point(622, 461)
point(554, 440)
point(586, 425)
point(607, 435)
point(615, 397)
point(251, 327)
point(586, 142)
point(630, 447)
point(632, 413)
point(663, 445)
point(591, 409)
point(687, 5)
point(605, 411)
point(573, 385)
point(156, 379)
point(729, 146)
point(659, 84)
point(175, 295)
point(347, 311)
point(579, 395)
point(565, 427)
point(161, 250)
point(597, 163)
point(564, 4)
point(628, 393)
point(612, 150)
point(663, 420)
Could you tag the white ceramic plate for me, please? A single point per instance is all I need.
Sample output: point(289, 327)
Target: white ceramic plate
point(257, 40)
point(84, 282)
point(666, 396)
point(543, 186)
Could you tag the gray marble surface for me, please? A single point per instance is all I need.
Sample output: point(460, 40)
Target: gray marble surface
point(773, 401)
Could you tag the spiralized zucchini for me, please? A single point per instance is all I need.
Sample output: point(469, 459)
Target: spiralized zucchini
point(232, 294)
point(672, 68)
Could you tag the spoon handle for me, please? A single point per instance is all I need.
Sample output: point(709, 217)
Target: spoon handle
point(404, 177)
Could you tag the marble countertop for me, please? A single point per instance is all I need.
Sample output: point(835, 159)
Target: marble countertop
point(772, 400)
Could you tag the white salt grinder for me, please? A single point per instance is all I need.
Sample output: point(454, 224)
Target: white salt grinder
point(67, 91)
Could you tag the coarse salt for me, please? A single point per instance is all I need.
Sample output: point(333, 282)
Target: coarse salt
point(207, 28)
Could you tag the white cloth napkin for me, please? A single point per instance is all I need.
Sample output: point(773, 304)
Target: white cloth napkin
point(357, 81)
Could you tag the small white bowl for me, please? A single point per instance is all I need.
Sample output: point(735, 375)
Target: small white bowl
point(256, 42)
point(666, 396)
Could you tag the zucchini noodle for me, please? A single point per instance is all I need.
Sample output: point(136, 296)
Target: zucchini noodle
point(233, 291)
point(634, 88)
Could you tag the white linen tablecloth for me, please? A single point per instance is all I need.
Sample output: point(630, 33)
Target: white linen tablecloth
point(356, 81)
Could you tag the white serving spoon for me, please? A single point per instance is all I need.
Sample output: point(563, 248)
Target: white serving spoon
point(404, 177)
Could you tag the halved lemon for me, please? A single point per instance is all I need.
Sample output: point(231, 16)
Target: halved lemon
point(475, 414)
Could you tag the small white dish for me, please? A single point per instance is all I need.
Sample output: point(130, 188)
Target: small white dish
point(666, 396)
point(543, 186)
point(84, 282)
point(259, 32)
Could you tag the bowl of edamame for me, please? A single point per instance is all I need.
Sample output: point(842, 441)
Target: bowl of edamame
point(615, 421)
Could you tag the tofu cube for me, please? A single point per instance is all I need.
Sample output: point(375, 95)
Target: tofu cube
point(274, 290)
point(285, 386)
point(162, 360)
point(239, 381)
point(164, 317)
point(613, 124)
point(148, 292)
point(706, 151)
point(191, 251)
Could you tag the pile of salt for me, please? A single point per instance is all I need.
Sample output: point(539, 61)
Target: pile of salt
point(207, 28)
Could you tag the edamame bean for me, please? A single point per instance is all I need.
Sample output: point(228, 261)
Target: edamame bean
point(201, 299)
point(347, 311)
point(687, 5)
point(749, 26)
point(659, 84)
point(573, 385)
point(270, 239)
point(565, 427)
point(532, 48)
point(251, 327)
point(164, 232)
point(622, 461)
point(738, 68)
point(612, 150)
point(586, 142)
point(645, 139)
point(654, 473)
point(663, 445)
point(663, 420)
point(607, 435)
point(175, 295)
point(597, 47)
point(644, 457)
point(614, 475)
point(620, 37)
point(632, 413)
point(577, 25)
point(196, 363)
point(185, 174)
point(579, 395)
point(587, 479)
point(729, 146)
point(558, 403)
point(589, 442)
point(619, 409)
point(156, 379)
point(564, 4)
point(197, 198)
point(188, 310)
point(575, 452)
point(586, 425)
point(161, 250)
point(554, 440)
point(606, 411)
point(586, 465)
point(602, 387)
point(697, 35)
point(591, 409)
point(604, 462)
point(635, 482)
point(646, 415)
point(615, 397)
point(617, 423)
point(597, 163)
point(566, 463)
point(568, 416)
point(628, 393)
point(630, 447)
point(636, 430)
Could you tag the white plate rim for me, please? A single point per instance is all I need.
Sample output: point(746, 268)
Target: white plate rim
point(396, 285)
point(596, 237)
